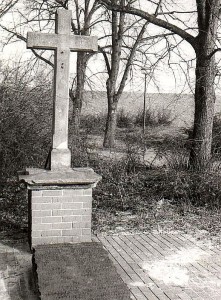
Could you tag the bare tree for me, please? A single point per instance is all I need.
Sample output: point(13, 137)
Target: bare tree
point(6, 6)
point(41, 14)
point(204, 43)
point(83, 27)
point(117, 62)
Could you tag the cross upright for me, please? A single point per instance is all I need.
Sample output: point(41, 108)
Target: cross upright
point(62, 42)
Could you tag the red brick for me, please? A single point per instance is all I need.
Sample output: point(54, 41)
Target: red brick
point(36, 220)
point(62, 225)
point(85, 224)
point(45, 240)
point(36, 206)
point(55, 240)
point(74, 231)
point(41, 226)
point(86, 199)
point(73, 192)
point(81, 224)
point(72, 218)
point(75, 205)
point(67, 239)
point(83, 212)
point(39, 213)
point(62, 199)
point(52, 193)
point(75, 239)
point(36, 193)
point(69, 212)
point(85, 238)
point(68, 199)
point(52, 205)
point(51, 219)
point(88, 192)
point(87, 204)
point(36, 200)
point(62, 212)
point(36, 233)
point(52, 232)
point(86, 218)
point(86, 231)
point(76, 225)
point(86, 211)
point(46, 206)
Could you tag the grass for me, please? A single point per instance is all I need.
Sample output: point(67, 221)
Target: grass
point(96, 123)
point(154, 118)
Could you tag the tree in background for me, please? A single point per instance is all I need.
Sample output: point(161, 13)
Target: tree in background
point(206, 17)
point(124, 39)
point(118, 55)
point(40, 15)
point(6, 6)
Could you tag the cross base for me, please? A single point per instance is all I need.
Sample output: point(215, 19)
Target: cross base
point(60, 204)
point(60, 159)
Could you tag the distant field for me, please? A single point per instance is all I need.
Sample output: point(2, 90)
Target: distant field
point(181, 106)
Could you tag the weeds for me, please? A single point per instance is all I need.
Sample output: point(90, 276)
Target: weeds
point(154, 118)
point(124, 120)
point(93, 123)
point(25, 124)
point(119, 189)
point(96, 123)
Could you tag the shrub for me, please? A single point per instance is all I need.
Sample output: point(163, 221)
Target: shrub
point(164, 117)
point(154, 118)
point(175, 153)
point(124, 120)
point(25, 126)
point(119, 189)
point(93, 123)
point(79, 151)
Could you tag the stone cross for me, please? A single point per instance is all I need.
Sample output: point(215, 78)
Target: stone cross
point(62, 42)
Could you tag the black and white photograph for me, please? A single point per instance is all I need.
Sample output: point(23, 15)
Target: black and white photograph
point(110, 150)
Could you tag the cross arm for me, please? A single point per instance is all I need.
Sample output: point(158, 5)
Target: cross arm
point(40, 40)
point(83, 43)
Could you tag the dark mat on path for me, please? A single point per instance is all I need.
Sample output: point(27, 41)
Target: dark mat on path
point(78, 272)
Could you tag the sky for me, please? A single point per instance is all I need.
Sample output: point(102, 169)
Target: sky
point(168, 80)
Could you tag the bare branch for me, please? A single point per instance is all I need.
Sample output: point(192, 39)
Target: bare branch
point(213, 53)
point(152, 19)
point(7, 7)
point(106, 59)
point(42, 58)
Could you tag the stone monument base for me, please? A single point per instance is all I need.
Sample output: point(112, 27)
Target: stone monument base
point(60, 205)
point(78, 271)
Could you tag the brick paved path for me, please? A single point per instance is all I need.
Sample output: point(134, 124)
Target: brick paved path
point(154, 266)
point(163, 267)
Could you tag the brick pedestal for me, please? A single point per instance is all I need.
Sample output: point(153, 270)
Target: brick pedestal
point(60, 205)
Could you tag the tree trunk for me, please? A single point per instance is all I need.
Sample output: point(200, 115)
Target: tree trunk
point(112, 93)
point(77, 97)
point(200, 155)
point(111, 123)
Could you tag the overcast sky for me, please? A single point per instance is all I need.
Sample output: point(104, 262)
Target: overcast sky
point(164, 76)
